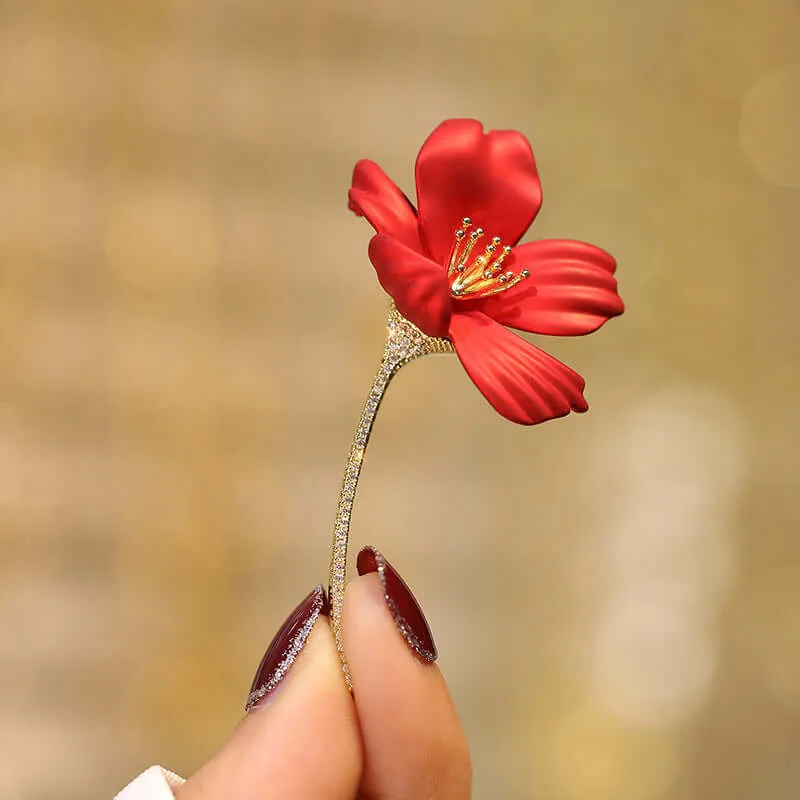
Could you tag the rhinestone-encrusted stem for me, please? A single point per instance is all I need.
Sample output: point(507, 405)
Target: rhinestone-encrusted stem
point(404, 343)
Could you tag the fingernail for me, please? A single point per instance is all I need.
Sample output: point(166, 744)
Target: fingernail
point(286, 646)
point(402, 605)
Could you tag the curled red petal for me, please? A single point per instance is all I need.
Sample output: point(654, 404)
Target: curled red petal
point(571, 289)
point(522, 382)
point(489, 177)
point(417, 285)
point(376, 196)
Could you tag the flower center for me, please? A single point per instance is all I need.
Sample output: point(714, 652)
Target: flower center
point(473, 276)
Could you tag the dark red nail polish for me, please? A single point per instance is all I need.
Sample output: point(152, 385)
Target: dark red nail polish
point(286, 646)
point(402, 606)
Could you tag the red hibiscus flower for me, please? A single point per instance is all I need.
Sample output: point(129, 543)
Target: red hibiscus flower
point(453, 266)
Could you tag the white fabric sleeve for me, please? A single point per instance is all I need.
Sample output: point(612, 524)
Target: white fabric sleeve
point(155, 783)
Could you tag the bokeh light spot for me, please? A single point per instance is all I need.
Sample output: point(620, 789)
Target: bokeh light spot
point(769, 127)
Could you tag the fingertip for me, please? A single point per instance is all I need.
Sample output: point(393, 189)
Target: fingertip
point(301, 741)
point(414, 745)
point(400, 601)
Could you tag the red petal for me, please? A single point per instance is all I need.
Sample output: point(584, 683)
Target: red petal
point(375, 195)
point(571, 289)
point(522, 382)
point(489, 177)
point(417, 285)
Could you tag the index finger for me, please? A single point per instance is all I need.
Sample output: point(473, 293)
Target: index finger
point(300, 737)
point(414, 746)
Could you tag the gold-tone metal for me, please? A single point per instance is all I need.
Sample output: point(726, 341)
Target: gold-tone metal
point(404, 342)
point(481, 276)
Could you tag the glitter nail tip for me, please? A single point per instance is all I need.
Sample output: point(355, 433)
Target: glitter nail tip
point(286, 646)
point(402, 605)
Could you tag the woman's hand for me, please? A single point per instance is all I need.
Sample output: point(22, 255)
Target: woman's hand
point(397, 738)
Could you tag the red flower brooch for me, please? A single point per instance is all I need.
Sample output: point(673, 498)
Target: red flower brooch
point(458, 277)
point(454, 268)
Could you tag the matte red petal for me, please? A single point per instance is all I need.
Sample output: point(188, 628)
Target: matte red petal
point(571, 289)
point(376, 196)
point(417, 285)
point(489, 177)
point(522, 382)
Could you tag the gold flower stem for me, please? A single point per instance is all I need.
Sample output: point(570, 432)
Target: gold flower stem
point(404, 343)
point(341, 529)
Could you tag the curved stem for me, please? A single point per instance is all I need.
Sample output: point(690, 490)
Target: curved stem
point(404, 343)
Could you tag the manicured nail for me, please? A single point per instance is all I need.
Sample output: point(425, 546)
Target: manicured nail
point(402, 606)
point(286, 646)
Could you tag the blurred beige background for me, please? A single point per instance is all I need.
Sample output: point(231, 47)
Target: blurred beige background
point(190, 323)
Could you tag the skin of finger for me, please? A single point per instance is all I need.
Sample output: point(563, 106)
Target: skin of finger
point(303, 742)
point(414, 746)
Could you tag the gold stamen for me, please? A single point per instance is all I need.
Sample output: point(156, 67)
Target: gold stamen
point(470, 245)
point(455, 256)
point(480, 276)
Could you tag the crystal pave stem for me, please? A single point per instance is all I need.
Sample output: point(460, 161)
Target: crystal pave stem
point(404, 343)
